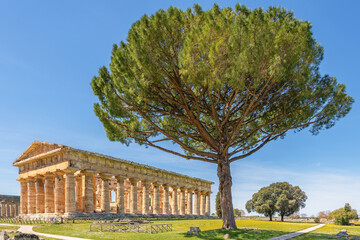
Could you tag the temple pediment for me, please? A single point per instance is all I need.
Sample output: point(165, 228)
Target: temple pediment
point(38, 148)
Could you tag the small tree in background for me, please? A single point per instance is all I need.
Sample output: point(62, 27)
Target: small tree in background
point(239, 212)
point(218, 205)
point(342, 216)
point(324, 214)
point(279, 197)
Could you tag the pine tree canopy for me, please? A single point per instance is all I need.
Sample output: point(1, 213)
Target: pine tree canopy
point(221, 82)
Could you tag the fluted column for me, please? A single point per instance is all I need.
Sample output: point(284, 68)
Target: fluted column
point(207, 200)
point(79, 193)
point(175, 201)
point(133, 196)
point(59, 193)
point(23, 197)
point(182, 201)
point(196, 203)
point(156, 205)
point(31, 196)
point(7, 209)
point(202, 203)
point(189, 202)
point(166, 199)
point(49, 194)
point(11, 209)
point(94, 191)
point(70, 203)
point(105, 202)
point(3, 209)
point(120, 207)
point(17, 208)
point(87, 192)
point(145, 198)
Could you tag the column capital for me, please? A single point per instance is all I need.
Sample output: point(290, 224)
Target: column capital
point(104, 176)
point(39, 176)
point(133, 180)
point(165, 186)
point(119, 177)
point(69, 170)
point(25, 180)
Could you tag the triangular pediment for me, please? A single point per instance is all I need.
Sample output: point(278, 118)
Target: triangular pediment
point(36, 148)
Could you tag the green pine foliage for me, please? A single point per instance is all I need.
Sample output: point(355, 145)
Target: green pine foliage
point(219, 83)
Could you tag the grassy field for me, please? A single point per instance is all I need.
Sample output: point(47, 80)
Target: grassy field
point(329, 231)
point(210, 230)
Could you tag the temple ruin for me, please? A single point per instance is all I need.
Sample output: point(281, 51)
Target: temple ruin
point(60, 180)
point(9, 206)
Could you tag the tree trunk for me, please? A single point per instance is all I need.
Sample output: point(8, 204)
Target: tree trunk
point(282, 217)
point(225, 183)
point(270, 217)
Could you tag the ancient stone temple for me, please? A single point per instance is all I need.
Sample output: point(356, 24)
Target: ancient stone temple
point(9, 206)
point(60, 180)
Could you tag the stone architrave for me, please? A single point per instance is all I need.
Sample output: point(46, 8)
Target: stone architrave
point(59, 193)
point(133, 196)
point(23, 197)
point(145, 198)
point(70, 203)
point(31, 196)
point(166, 199)
point(49, 194)
point(120, 201)
point(175, 201)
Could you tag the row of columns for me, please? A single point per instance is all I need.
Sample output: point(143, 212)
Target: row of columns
point(65, 192)
point(9, 209)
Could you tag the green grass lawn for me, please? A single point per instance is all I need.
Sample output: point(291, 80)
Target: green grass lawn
point(210, 230)
point(328, 232)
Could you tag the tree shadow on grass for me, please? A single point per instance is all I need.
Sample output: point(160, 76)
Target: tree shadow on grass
point(236, 234)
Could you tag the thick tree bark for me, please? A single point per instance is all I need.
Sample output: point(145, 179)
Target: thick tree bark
point(282, 218)
point(270, 217)
point(225, 183)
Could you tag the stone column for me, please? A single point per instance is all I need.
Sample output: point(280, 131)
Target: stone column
point(40, 200)
point(202, 203)
point(105, 203)
point(49, 194)
point(11, 209)
point(79, 193)
point(59, 193)
point(156, 205)
point(31, 196)
point(94, 191)
point(17, 207)
point(207, 200)
point(133, 196)
point(3, 209)
point(182, 201)
point(166, 200)
point(120, 200)
point(196, 204)
point(7, 209)
point(175, 201)
point(189, 202)
point(87, 192)
point(145, 198)
point(70, 203)
point(23, 197)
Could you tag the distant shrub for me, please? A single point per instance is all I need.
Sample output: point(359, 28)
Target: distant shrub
point(342, 216)
point(317, 220)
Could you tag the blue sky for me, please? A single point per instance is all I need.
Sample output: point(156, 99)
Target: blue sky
point(50, 50)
